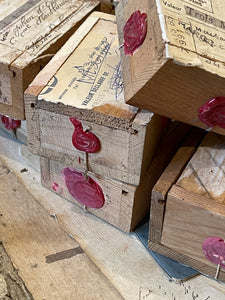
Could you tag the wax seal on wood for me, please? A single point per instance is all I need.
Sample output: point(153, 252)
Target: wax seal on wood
point(212, 113)
point(214, 250)
point(135, 31)
point(84, 189)
point(10, 123)
point(84, 140)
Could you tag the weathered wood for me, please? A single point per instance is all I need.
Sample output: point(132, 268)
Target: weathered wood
point(30, 34)
point(194, 207)
point(167, 179)
point(71, 86)
point(180, 65)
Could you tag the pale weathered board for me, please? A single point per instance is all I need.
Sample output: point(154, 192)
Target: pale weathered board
point(194, 208)
point(181, 64)
point(52, 264)
point(120, 256)
point(125, 205)
point(167, 179)
point(30, 34)
point(84, 81)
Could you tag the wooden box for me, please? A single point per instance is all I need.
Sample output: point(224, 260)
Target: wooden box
point(188, 207)
point(83, 81)
point(179, 65)
point(120, 204)
point(30, 34)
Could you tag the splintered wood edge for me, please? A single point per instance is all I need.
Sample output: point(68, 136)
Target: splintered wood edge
point(185, 260)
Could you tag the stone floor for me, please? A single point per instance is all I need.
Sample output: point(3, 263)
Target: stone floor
point(11, 285)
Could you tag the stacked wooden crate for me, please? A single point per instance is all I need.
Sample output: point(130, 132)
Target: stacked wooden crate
point(31, 32)
point(187, 208)
point(174, 51)
point(180, 59)
point(96, 150)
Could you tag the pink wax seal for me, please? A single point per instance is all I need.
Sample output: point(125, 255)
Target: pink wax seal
point(135, 31)
point(55, 186)
point(10, 123)
point(214, 250)
point(84, 140)
point(212, 113)
point(85, 190)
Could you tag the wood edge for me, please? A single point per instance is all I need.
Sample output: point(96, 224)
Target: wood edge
point(32, 123)
point(197, 200)
point(185, 260)
point(179, 161)
point(167, 179)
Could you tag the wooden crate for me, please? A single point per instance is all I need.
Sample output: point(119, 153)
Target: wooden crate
point(30, 33)
point(188, 207)
point(83, 81)
point(179, 66)
point(120, 204)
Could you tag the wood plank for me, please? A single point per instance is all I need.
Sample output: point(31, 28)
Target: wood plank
point(189, 220)
point(30, 34)
point(167, 179)
point(185, 259)
point(38, 246)
point(181, 55)
point(122, 258)
point(118, 208)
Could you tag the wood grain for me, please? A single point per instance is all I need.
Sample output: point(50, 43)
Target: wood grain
point(167, 179)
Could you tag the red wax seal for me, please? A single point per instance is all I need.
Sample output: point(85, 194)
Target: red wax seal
point(55, 186)
point(86, 191)
point(214, 250)
point(84, 140)
point(212, 113)
point(10, 123)
point(135, 31)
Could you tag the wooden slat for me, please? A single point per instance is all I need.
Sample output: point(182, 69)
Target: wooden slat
point(167, 179)
point(119, 197)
